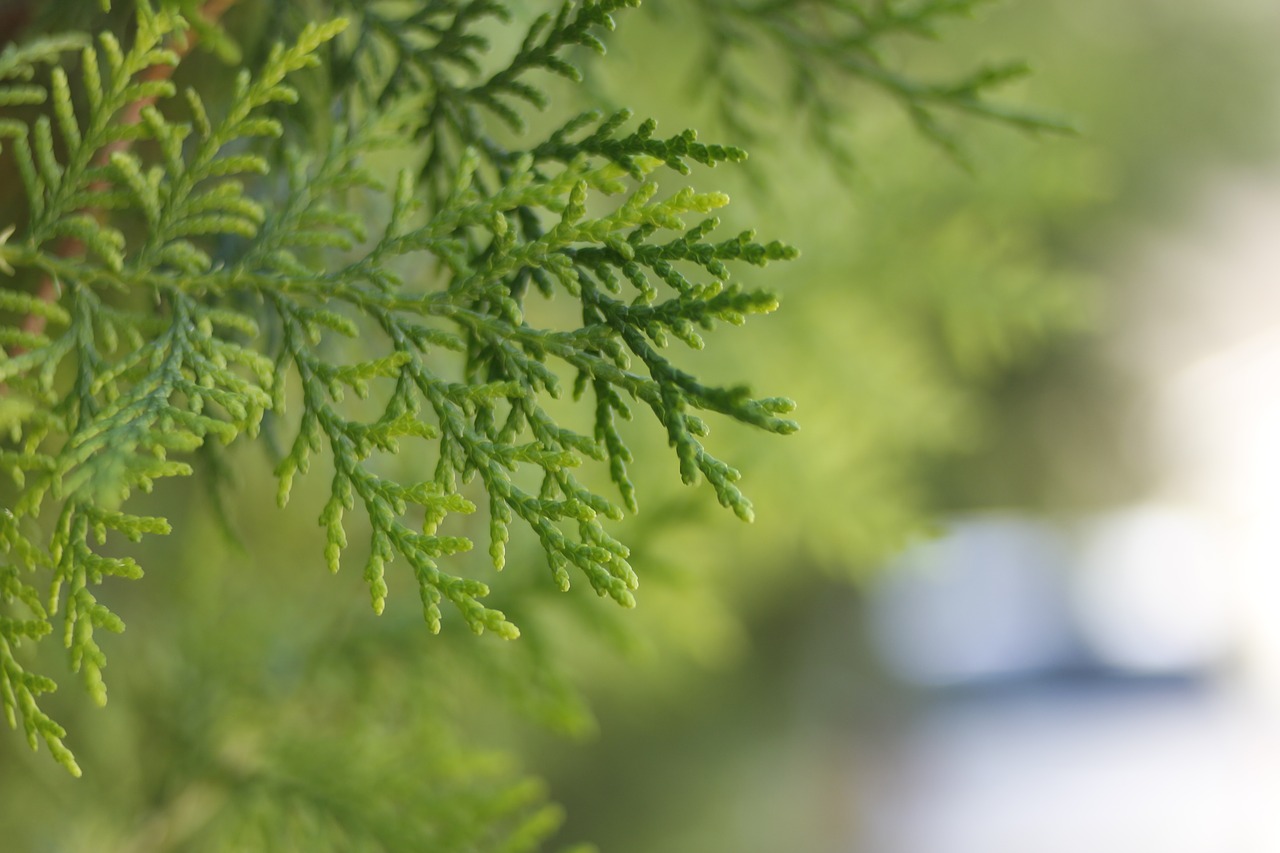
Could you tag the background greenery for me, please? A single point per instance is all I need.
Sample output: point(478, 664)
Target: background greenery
point(936, 333)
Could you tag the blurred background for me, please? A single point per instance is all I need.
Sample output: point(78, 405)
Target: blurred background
point(1069, 356)
point(1015, 586)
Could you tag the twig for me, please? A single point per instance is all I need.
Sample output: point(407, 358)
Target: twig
point(13, 19)
point(212, 10)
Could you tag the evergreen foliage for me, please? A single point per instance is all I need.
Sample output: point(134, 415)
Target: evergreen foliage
point(822, 46)
point(198, 265)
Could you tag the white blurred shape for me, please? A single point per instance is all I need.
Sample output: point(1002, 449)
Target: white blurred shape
point(1072, 770)
point(1207, 346)
point(1152, 591)
point(984, 602)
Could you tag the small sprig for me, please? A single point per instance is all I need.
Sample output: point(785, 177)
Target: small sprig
point(823, 45)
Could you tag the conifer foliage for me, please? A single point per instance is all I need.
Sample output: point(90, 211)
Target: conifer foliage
point(202, 292)
point(200, 264)
point(824, 45)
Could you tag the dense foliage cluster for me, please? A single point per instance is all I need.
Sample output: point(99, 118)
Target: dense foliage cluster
point(193, 363)
point(193, 264)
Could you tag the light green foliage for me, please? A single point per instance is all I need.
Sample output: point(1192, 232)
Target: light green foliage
point(156, 344)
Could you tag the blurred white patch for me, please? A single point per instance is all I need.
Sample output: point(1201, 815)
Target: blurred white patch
point(985, 602)
point(1070, 770)
point(1207, 346)
point(1152, 591)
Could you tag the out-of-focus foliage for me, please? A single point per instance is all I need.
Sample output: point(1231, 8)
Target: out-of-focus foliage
point(762, 59)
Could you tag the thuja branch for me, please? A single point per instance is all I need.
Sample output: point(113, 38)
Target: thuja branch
point(820, 47)
point(212, 269)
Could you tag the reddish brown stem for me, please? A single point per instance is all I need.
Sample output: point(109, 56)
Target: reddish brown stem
point(132, 114)
point(13, 19)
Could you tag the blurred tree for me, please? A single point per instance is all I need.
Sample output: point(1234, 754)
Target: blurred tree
point(193, 248)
